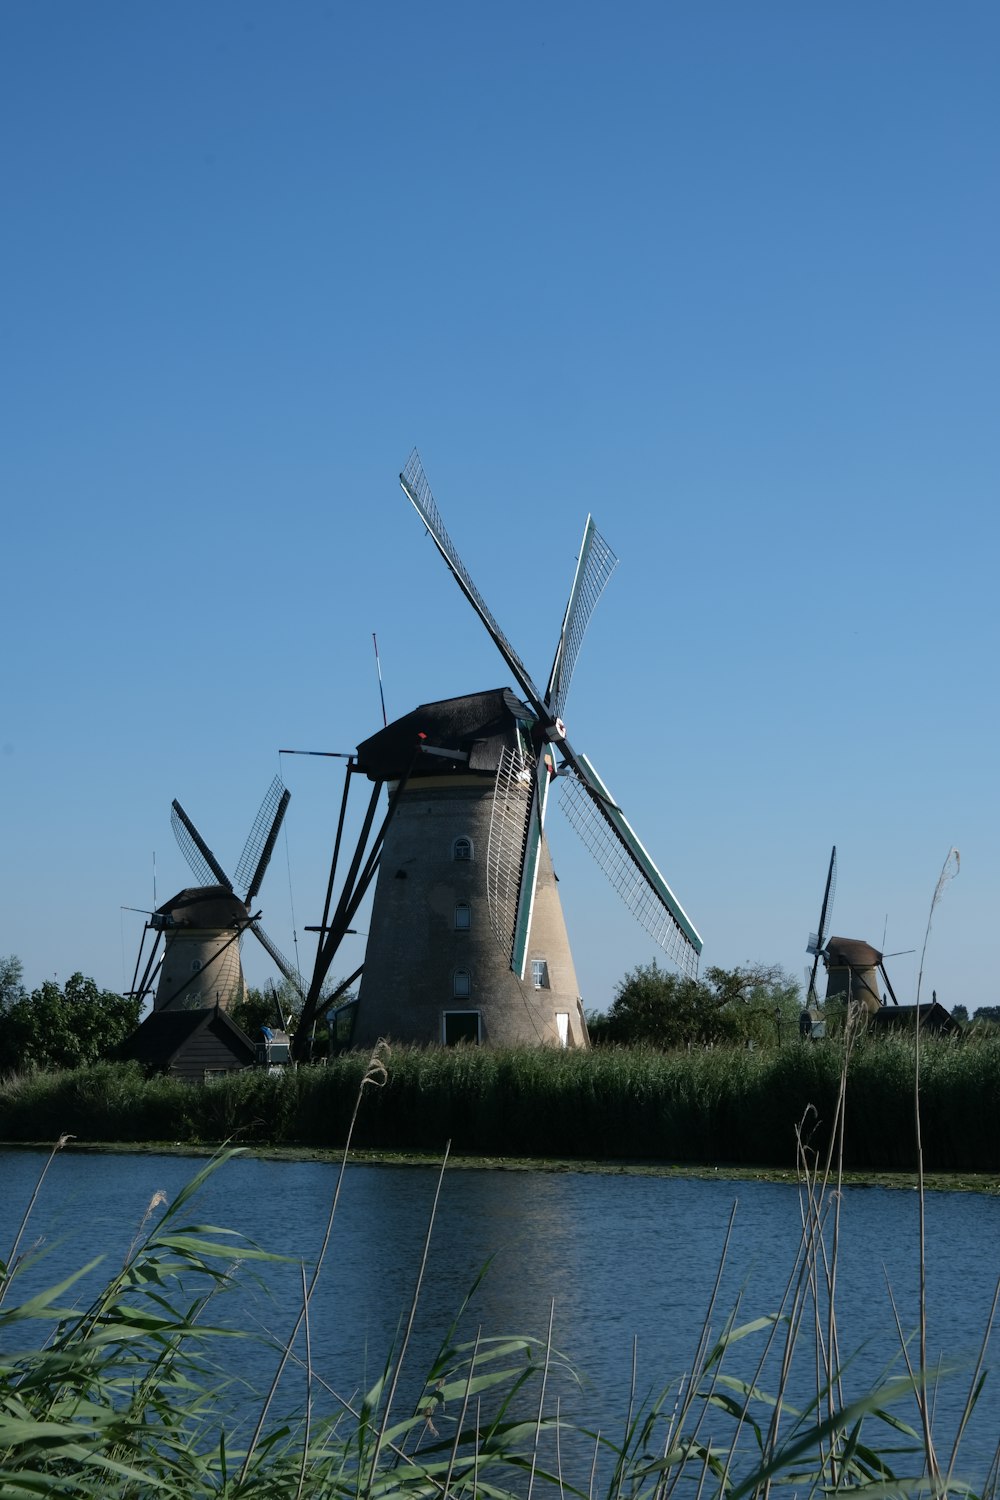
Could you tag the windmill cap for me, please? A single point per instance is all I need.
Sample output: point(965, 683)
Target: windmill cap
point(851, 953)
point(206, 906)
point(476, 727)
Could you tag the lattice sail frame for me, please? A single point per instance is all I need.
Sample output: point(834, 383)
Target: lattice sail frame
point(509, 820)
point(595, 566)
point(261, 839)
point(289, 971)
point(631, 871)
point(817, 939)
point(418, 492)
point(201, 861)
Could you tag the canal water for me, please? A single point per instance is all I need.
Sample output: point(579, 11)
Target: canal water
point(625, 1263)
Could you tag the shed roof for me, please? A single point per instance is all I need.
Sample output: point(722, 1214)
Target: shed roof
point(933, 1017)
point(476, 727)
point(164, 1033)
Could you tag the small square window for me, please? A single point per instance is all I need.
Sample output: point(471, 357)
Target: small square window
point(460, 1026)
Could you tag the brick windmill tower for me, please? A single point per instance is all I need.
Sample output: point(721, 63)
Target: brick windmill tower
point(467, 940)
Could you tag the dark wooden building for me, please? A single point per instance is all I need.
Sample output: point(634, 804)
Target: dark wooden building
point(195, 1045)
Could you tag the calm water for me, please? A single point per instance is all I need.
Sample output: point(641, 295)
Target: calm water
point(619, 1256)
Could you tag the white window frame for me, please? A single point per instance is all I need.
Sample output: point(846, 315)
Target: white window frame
point(539, 974)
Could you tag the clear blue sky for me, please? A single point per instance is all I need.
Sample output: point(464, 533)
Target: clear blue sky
point(725, 275)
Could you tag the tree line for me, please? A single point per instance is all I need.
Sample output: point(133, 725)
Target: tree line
point(757, 1005)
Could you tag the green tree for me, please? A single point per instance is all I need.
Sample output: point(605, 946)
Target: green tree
point(11, 983)
point(63, 1028)
point(751, 1003)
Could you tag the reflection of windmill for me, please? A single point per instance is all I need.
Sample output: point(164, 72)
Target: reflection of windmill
point(203, 925)
point(467, 938)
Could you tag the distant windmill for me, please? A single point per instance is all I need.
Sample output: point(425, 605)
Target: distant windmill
point(203, 925)
point(467, 938)
point(854, 969)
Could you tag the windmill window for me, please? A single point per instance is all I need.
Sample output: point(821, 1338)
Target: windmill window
point(463, 917)
point(539, 974)
point(195, 965)
point(462, 849)
point(460, 1026)
point(461, 984)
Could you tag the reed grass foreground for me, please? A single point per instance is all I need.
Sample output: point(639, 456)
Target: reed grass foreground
point(722, 1106)
point(117, 1394)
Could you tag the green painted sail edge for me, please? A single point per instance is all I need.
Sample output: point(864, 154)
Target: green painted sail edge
point(529, 872)
point(630, 839)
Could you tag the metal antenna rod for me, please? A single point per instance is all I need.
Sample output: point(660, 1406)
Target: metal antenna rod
point(378, 668)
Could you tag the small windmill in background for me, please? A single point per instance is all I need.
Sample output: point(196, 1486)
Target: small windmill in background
point(202, 927)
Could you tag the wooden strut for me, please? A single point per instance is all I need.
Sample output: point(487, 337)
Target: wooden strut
point(359, 877)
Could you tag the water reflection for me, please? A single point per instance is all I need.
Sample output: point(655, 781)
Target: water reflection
point(619, 1256)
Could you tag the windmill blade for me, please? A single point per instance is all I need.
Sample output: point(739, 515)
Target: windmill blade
point(199, 856)
point(817, 940)
point(260, 843)
point(516, 818)
point(288, 970)
point(607, 833)
point(418, 492)
point(594, 567)
point(510, 819)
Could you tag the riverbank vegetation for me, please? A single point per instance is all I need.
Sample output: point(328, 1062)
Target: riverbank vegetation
point(123, 1393)
point(722, 1105)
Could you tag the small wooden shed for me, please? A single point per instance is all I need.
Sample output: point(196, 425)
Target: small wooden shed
point(195, 1045)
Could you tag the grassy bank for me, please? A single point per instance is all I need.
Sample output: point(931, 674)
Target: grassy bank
point(724, 1106)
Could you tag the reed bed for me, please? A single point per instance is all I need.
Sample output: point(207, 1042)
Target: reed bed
point(116, 1395)
point(723, 1106)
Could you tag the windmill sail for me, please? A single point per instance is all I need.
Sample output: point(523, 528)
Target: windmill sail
point(817, 940)
point(288, 970)
point(418, 492)
point(609, 836)
point(199, 856)
point(594, 567)
point(261, 839)
point(510, 819)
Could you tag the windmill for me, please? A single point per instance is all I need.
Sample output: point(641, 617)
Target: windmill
point(203, 925)
point(854, 969)
point(470, 828)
